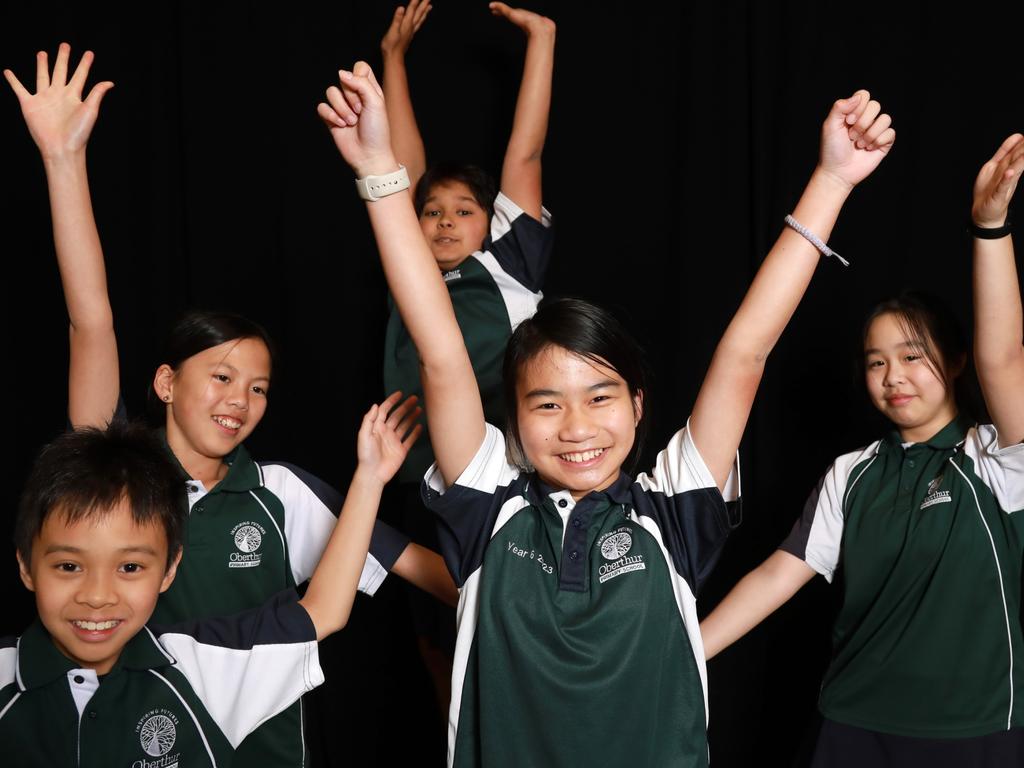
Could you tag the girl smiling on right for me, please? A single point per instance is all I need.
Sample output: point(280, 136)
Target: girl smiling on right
point(927, 647)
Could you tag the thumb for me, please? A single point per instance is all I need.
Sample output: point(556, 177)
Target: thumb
point(843, 109)
point(97, 93)
point(362, 69)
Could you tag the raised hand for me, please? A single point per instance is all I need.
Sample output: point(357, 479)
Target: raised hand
point(386, 435)
point(57, 118)
point(404, 25)
point(355, 116)
point(528, 21)
point(855, 138)
point(996, 183)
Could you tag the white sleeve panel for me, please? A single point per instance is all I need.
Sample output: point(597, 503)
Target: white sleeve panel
point(8, 665)
point(486, 471)
point(308, 524)
point(680, 468)
point(1001, 469)
point(520, 302)
point(506, 211)
point(242, 688)
point(824, 540)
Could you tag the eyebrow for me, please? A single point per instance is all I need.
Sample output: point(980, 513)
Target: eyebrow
point(907, 344)
point(606, 384)
point(78, 550)
point(466, 198)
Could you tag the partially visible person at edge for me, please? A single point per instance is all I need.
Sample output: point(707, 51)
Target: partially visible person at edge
point(923, 529)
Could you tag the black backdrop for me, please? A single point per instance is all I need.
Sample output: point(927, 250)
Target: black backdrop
point(680, 136)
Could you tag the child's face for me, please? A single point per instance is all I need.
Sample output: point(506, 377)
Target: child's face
point(217, 397)
point(577, 420)
point(96, 582)
point(902, 384)
point(453, 223)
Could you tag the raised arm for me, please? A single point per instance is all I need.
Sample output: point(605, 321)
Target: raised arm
point(998, 320)
point(521, 170)
point(855, 137)
point(384, 439)
point(357, 120)
point(60, 123)
point(757, 595)
point(405, 134)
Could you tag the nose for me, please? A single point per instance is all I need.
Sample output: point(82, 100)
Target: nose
point(445, 221)
point(893, 374)
point(239, 397)
point(576, 426)
point(97, 590)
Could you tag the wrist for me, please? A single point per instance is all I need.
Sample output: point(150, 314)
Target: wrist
point(830, 182)
point(989, 223)
point(378, 165)
point(63, 159)
point(366, 478)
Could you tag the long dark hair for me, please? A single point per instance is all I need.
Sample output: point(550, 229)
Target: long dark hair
point(929, 320)
point(585, 330)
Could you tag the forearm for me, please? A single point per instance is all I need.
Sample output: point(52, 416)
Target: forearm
point(757, 595)
point(332, 589)
point(425, 569)
point(77, 243)
point(405, 133)
point(450, 389)
point(727, 394)
point(521, 169)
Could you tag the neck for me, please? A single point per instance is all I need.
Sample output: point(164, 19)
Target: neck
point(209, 470)
point(925, 432)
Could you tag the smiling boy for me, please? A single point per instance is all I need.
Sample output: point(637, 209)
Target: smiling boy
point(98, 537)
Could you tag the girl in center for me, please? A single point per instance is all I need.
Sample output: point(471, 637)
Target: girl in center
point(577, 616)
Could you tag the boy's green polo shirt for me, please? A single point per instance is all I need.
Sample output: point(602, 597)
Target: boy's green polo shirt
point(492, 291)
point(928, 641)
point(181, 697)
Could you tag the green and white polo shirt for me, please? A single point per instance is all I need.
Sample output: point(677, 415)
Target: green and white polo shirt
point(492, 291)
point(928, 640)
point(262, 529)
point(181, 697)
point(578, 640)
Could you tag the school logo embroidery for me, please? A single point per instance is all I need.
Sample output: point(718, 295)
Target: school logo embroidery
point(452, 274)
point(157, 730)
point(615, 546)
point(934, 495)
point(248, 537)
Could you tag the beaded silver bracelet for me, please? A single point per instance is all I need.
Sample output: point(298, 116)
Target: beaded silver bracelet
point(814, 240)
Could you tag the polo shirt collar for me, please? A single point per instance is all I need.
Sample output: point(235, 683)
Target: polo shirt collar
point(947, 438)
point(538, 492)
point(243, 473)
point(40, 663)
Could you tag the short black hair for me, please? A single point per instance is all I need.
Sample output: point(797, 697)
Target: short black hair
point(591, 332)
point(87, 472)
point(480, 183)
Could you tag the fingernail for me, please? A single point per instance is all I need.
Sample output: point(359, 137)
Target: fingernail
point(344, 74)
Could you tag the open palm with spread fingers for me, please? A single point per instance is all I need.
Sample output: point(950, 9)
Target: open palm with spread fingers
point(996, 183)
point(58, 119)
point(387, 433)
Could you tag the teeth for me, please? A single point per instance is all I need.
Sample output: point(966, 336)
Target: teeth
point(226, 422)
point(579, 458)
point(93, 626)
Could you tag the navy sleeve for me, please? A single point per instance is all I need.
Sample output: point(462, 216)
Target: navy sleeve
point(520, 244)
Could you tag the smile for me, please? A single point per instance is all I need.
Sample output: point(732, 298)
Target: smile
point(227, 423)
point(582, 457)
point(445, 240)
point(97, 626)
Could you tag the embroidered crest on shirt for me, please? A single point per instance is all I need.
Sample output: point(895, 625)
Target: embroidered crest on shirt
point(157, 730)
point(615, 546)
point(452, 274)
point(247, 537)
point(934, 495)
